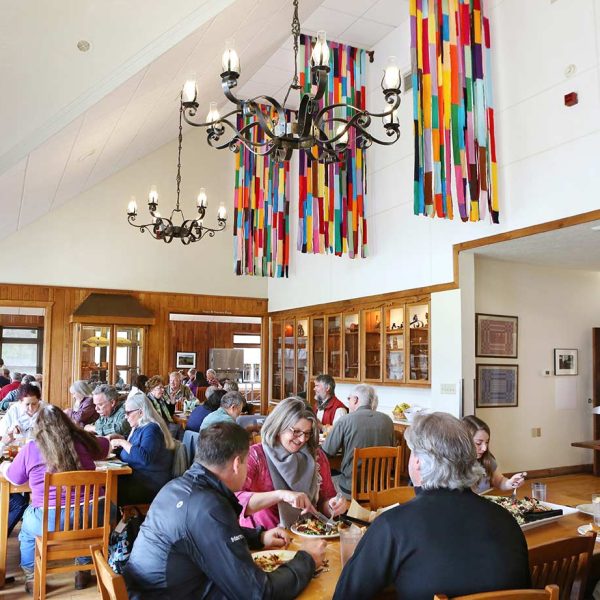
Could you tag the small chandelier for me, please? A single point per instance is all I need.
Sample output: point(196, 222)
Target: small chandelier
point(317, 130)
point(188, 230)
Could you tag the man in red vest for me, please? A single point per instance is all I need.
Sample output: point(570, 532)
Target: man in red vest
point(329, 408)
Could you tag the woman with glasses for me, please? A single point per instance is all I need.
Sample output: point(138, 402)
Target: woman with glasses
point(148, 451)
point(288, 474)
point(159, 398)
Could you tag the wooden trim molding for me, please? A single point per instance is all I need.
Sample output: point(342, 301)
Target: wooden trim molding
point(555, 471)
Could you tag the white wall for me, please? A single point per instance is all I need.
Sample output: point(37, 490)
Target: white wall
point(557, 308)
point(87, 242)
point(547, 156)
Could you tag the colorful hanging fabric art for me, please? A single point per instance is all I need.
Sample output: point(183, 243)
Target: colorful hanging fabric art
point(332, 198)
point(261, 212)
point(453, 110)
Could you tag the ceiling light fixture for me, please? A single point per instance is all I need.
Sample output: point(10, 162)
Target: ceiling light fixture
point(188, 231)
point(320, 131)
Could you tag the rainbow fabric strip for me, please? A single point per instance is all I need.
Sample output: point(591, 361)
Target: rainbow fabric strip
point(332, 198)
point(261, 223)
point(453, 110)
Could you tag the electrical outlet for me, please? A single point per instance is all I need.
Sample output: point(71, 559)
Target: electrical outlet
point(448, 388)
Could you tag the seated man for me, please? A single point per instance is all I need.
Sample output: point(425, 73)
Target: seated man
point(447, 539)
point(15, 382)
point(230, 410)
point(363, 427)
point(329, 408)
point(212, 403)
point(191, 545)
point(112, 419)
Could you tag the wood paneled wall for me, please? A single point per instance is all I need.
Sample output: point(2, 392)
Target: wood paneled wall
point(21, 321)
point(60, 302)
point(193, 336)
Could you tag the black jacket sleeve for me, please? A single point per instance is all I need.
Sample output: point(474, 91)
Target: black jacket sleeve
point(225, 559)
point(253, 537)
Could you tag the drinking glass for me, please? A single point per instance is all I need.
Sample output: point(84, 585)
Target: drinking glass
point(596, 505)
point(349, 539)
point(538, 491)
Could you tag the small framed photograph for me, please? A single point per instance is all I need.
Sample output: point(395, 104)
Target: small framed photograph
point(565, 361)
point(496, 336)
point(185, 360)
point(496, 386)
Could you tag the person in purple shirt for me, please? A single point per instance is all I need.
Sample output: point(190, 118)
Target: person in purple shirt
point(58, 445)
point(84, 411)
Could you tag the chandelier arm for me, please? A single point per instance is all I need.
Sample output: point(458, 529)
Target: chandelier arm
point(395, 133)
point(271, 146)
point(228, 84)
point(190, 112)
point(320, 75)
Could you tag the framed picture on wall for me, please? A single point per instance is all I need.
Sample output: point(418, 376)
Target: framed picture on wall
point(185, 360)
point(496, 386)
point(496, 336)
point(565, 361)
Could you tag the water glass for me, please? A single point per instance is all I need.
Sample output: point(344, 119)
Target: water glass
point(538, 491)
point(349, 539)
point(596, 506)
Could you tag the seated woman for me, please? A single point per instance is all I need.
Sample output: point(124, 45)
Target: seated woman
point(160, 401)
point(58, 445)
point(84, 411)
point(211, 404)
point(480, 432)
point(148, 451)
point(288, 474)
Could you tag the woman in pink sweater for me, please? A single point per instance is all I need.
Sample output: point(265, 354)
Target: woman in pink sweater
point(288, 474)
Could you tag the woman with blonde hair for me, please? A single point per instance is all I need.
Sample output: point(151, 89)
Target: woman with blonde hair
point(58, 445)
point(288, 474)
point(148, 451)
point(480, 432)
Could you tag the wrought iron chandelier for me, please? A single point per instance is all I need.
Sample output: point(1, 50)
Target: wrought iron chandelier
point(167, 229)
point(320, 131)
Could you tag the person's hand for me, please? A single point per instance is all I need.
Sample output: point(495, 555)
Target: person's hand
point(517, 480)
point(337, 505)
point(116, 443)
point(275, 538)
point(316, 548)
point(90, 428)
point(297, 500)
point(8, 437)
point(115, 436)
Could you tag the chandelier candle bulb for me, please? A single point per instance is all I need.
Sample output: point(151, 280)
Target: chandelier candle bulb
point(222, 213)
point(132, 207)
point(213, 113)
point(153, 195)
point(202, 199)
point(230, 61)
point(344, 139)
point(190, 91)
point(320, 53)
point(391, 77)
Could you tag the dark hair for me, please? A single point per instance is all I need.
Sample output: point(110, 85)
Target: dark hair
point(221, 442)
point(140, 382)
point(28, 389)
point(473, 425)
point(201, 379)
point(214, 400)
point(328, 380)
point(56, 435)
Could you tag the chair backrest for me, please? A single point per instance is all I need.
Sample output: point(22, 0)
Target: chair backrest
point(190, 441)
point(563, 562)
point(404, 457)
point(375, 469)
point(85, 516)
point(395, 495)
point(111, 585)
point(181, 461)
point(549, 593)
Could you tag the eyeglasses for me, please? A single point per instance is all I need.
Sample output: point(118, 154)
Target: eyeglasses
point(128, 412)
point(297, 433)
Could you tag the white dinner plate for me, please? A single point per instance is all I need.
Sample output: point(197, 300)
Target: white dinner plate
point(583, 529)
point(567, 510)
point(587, 509)
point(284, 555)
point(329, 536)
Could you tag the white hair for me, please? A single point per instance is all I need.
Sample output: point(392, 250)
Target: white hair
point(366, 395)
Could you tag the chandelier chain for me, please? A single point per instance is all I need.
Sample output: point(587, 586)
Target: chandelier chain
point(296, 35)
point(178, 178)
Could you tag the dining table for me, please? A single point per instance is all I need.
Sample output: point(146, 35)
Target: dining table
point(115, 469)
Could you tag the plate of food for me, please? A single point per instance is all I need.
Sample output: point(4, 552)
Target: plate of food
point(269, 560)
point(530, 512)
point(313, 528)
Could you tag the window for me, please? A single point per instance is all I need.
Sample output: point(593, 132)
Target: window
point(21, 348)
point(240, 339)
point(250, 344)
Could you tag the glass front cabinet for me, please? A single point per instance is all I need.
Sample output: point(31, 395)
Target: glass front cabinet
point(112, 354)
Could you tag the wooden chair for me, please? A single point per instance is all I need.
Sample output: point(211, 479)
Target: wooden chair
point(395, 495)
point(549, 593)
point(375, 469)
point(111, 585)
point(83, 524)
point(563, 562)
point(400, 441)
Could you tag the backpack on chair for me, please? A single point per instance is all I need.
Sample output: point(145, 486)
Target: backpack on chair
point(122, 538)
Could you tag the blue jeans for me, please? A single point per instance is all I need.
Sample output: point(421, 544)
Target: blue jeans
point(17, 503)
point(32, 527)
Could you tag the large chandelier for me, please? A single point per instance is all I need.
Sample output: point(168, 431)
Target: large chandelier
point(168, 229)
point(320, 131)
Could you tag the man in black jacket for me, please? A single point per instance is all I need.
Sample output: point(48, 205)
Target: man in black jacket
point(447, 540)
point(191, 545)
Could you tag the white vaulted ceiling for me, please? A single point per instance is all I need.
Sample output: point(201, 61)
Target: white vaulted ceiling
point(71, 119)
